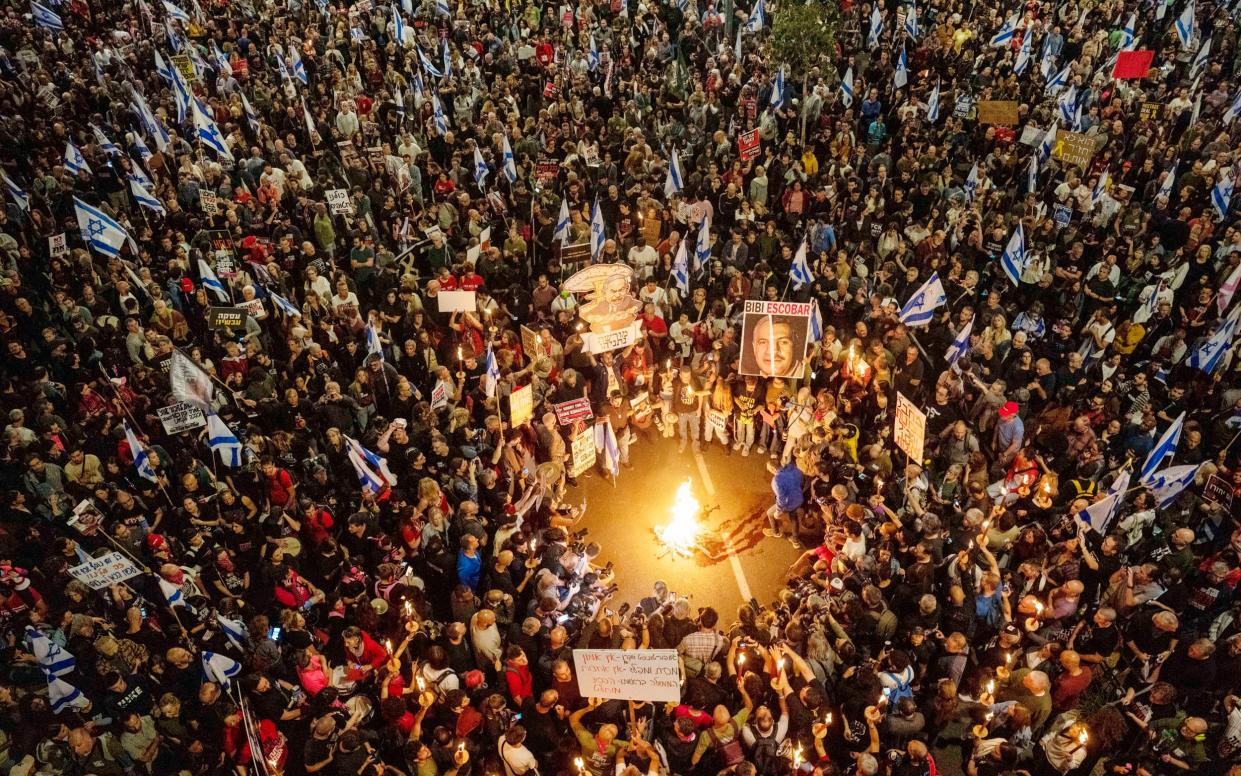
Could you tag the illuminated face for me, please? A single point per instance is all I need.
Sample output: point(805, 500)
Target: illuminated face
point(616, 290)
point(773, 347)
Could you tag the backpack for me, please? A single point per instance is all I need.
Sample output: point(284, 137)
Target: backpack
point(766, 755)
point(730, 751)
point(902, 688)
point(437, 683)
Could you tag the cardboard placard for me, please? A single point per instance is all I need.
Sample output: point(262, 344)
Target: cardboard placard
point(456, 301)
point(910, 432)
point(719, 423)
point(338, 201)
point(612, 340)
point(577, 253)
point(86, 519)
point(749, 144)
point(1218, 491)
point(529, 341)
point(1063, 215)
point(57, 245)
point(634, 674)
point(520, 405)
point(546, 170)
point(209, 201)
point(439, 396)
point(226, 318)
point(641, 404)
point(180, 417)
point(1073, 148)
point(573, 410)
point(652, 228)
point(1150, 111)
point(185, 66)
point(256, 309)
point(1001, 112)
point(107, 570)
point(583, 448)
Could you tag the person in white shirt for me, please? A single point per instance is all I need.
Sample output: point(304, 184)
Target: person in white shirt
point(643, 258)
point(514, 756)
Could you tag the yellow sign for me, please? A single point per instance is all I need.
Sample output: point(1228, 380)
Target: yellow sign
point(1074, 148)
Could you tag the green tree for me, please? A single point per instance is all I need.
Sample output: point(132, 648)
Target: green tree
point(803, 37)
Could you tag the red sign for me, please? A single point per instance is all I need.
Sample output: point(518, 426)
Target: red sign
point(546, 171)
point(550, 90)
point(748, 144)
point(1133, 64)
point(241, 68)
point(573, 410)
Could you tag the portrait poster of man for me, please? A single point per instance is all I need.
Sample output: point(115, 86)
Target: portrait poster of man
point(774, 337)
point(610, 308)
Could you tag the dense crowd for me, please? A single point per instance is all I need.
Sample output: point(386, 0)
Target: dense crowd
point(359, 565)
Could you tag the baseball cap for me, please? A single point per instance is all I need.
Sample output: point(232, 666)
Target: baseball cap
point(1009, 409)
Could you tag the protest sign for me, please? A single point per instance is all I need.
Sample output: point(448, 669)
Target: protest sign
point(86, 519)
point(338, 201)
point(209, 201)
point(1002, 112)
point(910, 433)
point(1074, 148)
point(255, 308)
point(57, 245)
point(1062, 216)
point(107, 570)
point(181, 416)
point(226, 317)
point(611, 340)
point(578, 253)
point(1217, 491)
point(456, 301)
point(749, 145)
point(573, 410)
point(529, 341)
point(185, 66)
point(1133, 64)
point(632, 674)
point(520, 405)
point(583, 447)
point(774, 337)
point(1150, 111)
point(439, 396)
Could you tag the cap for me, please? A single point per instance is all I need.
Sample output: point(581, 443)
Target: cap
point(1009, 409)
point(474, 679)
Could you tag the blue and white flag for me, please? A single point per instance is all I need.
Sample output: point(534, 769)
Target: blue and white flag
point(680, 269)
point(900, 76)
point(51, 657)
point(311, 129)
point(960, 344)
point(592, 56)
point(283, 305)
point(846, 88)
point(441, 121)
point(299, 67)
point(911, 21)
point(16, 193)
point(144, 198)
point(100, 230)
point(1129, 33)
point(1208, 356)
point(1058, 81)
point(481, 170)
point(1168, 483)
point(1032, 175)
point(104, 142)
point(561, 231)
point(1200, 59)
point(1013, 260)
point(1007, 30)
point(491, 375)
point(932, 105)
point(1164, 448)
point(398, 28)
point(141, 459)
point(252, 116)
point(428, 65)
point(221, 61)
point(219, 668)
point(1234, 109)
point(441, 8)
point(757, 18)
point(1185, 24)
point(174, 40)
point(737, 45)
point(800, 272)
point(971, 183)
point(175, 12)
point(208, 133)
point(605, 443)
point(816, 321)
point(184, 97)
point(222, 440)
point(1023, 55)
point(61, 695)
point(1221, 193)
point(374, 346)
point(920, 309)
point(777, 89)
point(1098, 191)
point(374, 462)
point(598, 232)
point(74, 161)
point(370, 481)
point(233, 630)
point(673, 184)
point(45, 17)
point(702, 247)
point(1047, 144)
point(1099, 514)
point(172, 594)
point(446, 57)
point(876, 27)
point(283, 69)
point(212, 283)
point(510, 164)
point(1067, 104)
point(151, 123)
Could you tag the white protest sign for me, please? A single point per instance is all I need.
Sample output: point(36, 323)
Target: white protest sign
point(105, 571)
point(628, 674)
point(583, 453)
point(456, 301)
point(910, 430)
point(439, 396)
point(210, 202)
point(181, 416)
point(57, 245)
point(612, 340)
point(338, 201)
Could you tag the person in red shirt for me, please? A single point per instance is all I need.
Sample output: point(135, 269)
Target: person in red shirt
point(517, 675)
point(280, 486)
point(446, 280)
point(363, 653)
point(654, 326)
point(318, 522)
point(544, 52)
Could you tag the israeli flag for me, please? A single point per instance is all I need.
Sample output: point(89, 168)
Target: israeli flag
point(757, 18)
point(373, 461)
point(510, 164)
point(176, 13)
point(561, 232)
point(284, 305)
point(876, 27)
point(971, 183)
point(222, 440)
point(139, 145)
point(846, 88)
point(213, 283)
point(1047, 144)
point(816, 321)
point(282, 69)
point(1099, 514)
point(182, 92)
point(74, 161)
point(62, 695)
point(174, 40)
point(428, 65)
point(920, 309)
point(99, 229)
point(441, 8)
point(800, 272)
point(221, 60)
point(491, 377)
point(592, 56)
point(398, 25)
point(1167, 484)
point(1007, 30)
point(446, 58)
point(960, 344)
point(1100, 187)
point(252, 117)
point(1013, 260)
point(932, 105)
point(1221, 193)
point(371, 482)
point(1067, 103)
point(1200, 59)
point(1164, 448)
point(16, 193)
point(672, 184)
point(144, 198)
point(605, 442)
point(680, 269)
point(1023, 55)
point(45, 17)
point(900, 77)
point(51, 657)
point(172, 594)
point(702, 249)
point(911, 21)
point(219, 668)
point(481, 170)
point(597, 233)
point(150, 122)
point(777, 89)
point(299, 68)
point(441, 121)
point(374, 347)
point(1234, 109)
point(233, 630)
point(1129, 33)
point(1185, 24)
point(737, 44)
point(1208, 356)
point(1058, 81)
point(107, 145)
